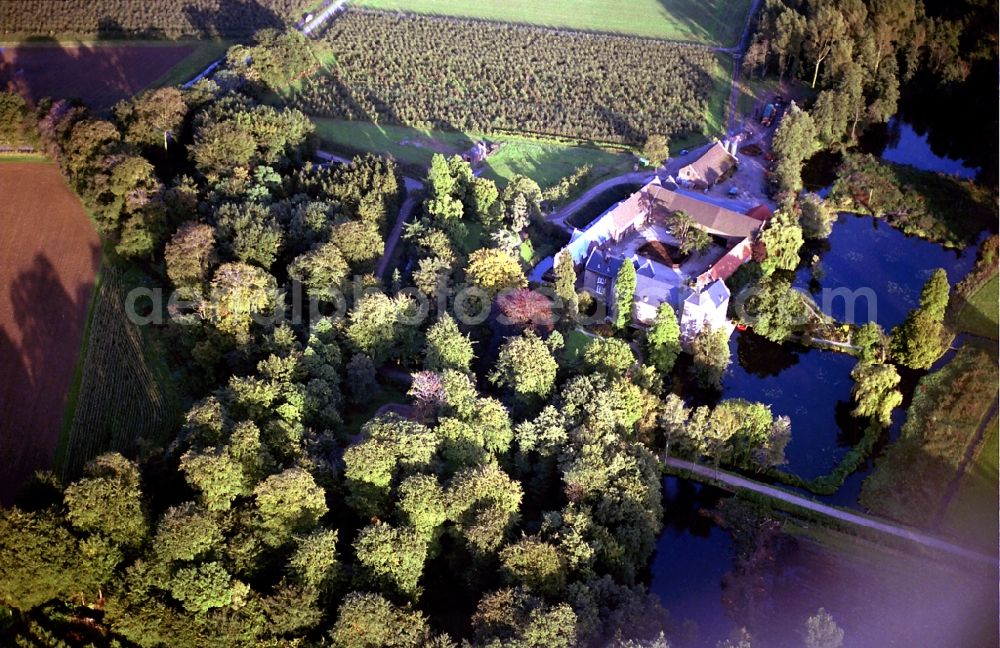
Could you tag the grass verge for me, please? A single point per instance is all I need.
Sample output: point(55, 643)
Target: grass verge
point(205, 53)
point(912, 476)
point(545, 162)
point(979, 314)
point(714, 22)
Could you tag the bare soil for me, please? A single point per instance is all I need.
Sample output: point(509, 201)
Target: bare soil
point(49, 256)
point(100, 75)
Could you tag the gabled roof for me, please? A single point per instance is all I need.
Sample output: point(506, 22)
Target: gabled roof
point(760, 212)
point(716, 219)
point(711, 166)
point(606, 265)
point(713, 296)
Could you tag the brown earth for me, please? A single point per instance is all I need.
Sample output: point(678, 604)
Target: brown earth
point(100, 75)
point(49, 255)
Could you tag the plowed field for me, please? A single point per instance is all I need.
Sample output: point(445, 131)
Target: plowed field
point(49, 255)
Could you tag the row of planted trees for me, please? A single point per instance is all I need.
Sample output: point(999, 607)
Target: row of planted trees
point(480, 76)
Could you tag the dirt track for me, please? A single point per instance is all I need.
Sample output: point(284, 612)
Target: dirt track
point(49, 255)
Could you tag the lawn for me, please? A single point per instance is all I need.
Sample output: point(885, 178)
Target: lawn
point(714, 22)
point(979, 315)
point(205, 53)
point(911, 477)
point(972, 513)
point(575, 344)
point(546, 162)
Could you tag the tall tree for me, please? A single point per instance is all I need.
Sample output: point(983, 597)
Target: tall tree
point(495, 271)
point(917, 342)
point(711, 357)
point(656, 149)
point(825, 27)
point(816, 217)
point(875, 391)
point(782, 239)
point(526, 366)
point(446, 347)
point(390, 559)
point(566, 286)
point(794, 142)
point(663, 341)
point(823, 632)
point(624, 294)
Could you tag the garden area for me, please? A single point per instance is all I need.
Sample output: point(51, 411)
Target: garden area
point(544, 161)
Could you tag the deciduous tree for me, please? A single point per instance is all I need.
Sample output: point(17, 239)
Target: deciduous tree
point(663, 340)
point(624, 294)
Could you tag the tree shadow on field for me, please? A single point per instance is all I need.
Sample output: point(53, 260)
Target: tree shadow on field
point(99, 75)
point(233, 18)
point(38, 353)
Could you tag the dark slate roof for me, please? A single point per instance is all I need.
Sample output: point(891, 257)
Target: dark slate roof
point(603, 264)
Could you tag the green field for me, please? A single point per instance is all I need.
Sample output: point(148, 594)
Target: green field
point(911, 477)
point(716, 22)
point(972, 513)
point(122, 397)
point(979, 315)
point(204, 54)
point(543, 161)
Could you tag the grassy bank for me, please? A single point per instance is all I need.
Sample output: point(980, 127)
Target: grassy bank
point(979, 314)
point(545, 162)
point(941, 208)
point(972, 512)
point(205, 53)
point(912, 477)
point(714, 22)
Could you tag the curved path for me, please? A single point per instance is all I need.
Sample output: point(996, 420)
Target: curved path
point(413, 188)
point(741, 483)
point(559, 216)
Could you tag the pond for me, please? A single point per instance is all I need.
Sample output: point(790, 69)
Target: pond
point(904, 145)
point(897, 141)
point(811, 387)
point(880, 597)
point(887, 270)
point(881, 268)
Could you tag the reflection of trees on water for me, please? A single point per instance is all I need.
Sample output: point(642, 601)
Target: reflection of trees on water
point(760, 357)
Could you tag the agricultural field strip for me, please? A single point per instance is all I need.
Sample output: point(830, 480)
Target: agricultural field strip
point(119, 396)
point(524, 87)
point(150, 18)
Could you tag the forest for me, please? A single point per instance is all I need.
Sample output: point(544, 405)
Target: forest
point(268, 519)
point(454, 75)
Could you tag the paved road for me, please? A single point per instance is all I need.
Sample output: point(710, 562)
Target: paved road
point(413, 188)
point(558, 217)
point(741, 483)
point(316, 22)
